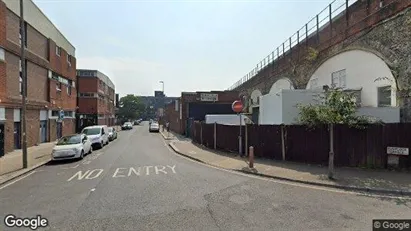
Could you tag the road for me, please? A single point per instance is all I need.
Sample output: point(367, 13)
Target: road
point(138, 183)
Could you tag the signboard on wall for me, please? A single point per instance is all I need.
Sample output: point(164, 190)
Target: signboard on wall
point(210, 97)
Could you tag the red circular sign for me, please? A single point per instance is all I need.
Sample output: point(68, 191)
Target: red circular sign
point(237, 106)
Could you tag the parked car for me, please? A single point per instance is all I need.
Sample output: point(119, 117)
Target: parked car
point(112, 133)
point(136, 122)
point(97, 134)
point(127, 126)
point(72, 147)
point(154, 127)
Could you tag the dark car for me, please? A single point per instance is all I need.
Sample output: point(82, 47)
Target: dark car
point(127, 126)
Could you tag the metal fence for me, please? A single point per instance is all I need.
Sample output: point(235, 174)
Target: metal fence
point(313, 30)
point(352, 147)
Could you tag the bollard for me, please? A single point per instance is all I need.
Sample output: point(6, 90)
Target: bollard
point(251, 157)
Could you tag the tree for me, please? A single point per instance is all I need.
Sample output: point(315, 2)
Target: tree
point(335, 106)
point(130, 108)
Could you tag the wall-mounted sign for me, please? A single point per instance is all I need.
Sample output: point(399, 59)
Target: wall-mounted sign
point(398, 151)
point(208, 97)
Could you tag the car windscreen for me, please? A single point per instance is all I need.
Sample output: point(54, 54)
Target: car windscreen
point(110, 129)
point(67, 140)
point(92, 131)
point(127, 124)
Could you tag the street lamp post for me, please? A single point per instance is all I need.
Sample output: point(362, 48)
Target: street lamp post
point(24, 83)
point(163, 103)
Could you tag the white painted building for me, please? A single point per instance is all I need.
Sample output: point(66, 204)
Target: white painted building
point(281, 107)
point(357, 69)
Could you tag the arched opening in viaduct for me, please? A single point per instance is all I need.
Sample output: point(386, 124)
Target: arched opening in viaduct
point(358, 70)
point(283, 83)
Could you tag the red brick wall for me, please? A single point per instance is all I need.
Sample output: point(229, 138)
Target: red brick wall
point(33, 127)
point(61, 98)
point(3, 38)
point(69, 126)
point(173, 117)
point(9, 133)
point(12, 72)
point(87, 105)
point(13, 26)
point(36, 42)
point(37, 83)
point(59, 64)
point(87, 84)
point(360, 17)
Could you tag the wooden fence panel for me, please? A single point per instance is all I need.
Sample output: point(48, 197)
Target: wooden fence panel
point(307, 145)
point(266, 140)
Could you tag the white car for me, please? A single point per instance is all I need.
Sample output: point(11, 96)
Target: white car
point(71, 147)
point(98, 135)
point(154, 127)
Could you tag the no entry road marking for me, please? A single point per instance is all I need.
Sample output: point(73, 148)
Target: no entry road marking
point(126, 172)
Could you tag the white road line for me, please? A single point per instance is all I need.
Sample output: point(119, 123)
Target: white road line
point(288, 183)
point(21, 178)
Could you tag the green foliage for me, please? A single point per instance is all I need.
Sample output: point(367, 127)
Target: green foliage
point(334, 107)
point(312, 54)
point(130, 108)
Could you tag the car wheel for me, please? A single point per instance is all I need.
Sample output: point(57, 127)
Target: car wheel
point(82, 154)
point(91, 150)
point(101, 144)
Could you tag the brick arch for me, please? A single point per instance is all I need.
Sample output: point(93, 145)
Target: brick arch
point(317, 64)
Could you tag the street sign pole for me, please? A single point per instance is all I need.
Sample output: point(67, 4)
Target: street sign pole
point(237, 106)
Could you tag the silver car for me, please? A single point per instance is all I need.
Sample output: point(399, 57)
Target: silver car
point(154, 127)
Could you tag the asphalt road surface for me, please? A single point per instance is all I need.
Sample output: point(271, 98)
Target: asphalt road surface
point(138, 183)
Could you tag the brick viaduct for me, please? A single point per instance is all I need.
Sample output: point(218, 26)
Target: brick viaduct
point(382, 27)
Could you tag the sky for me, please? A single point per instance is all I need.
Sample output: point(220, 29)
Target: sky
point(189, 45)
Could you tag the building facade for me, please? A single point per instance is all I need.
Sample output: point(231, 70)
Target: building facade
point(193, 106)
point(51, 75)
point(96, 99)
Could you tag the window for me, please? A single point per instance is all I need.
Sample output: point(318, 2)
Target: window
point(55, 113)
point(92, 95)
point(58, 51)
point(68, 89)
point(20, 77)
point(58, 86)
point(384, 96)
point(69, 59)
point(68, 114)
point(2, 54)
point(338, 79)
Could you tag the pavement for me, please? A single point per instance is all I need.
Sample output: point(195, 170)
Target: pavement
point(378, 181)
point(138, 183)
point(11, 164)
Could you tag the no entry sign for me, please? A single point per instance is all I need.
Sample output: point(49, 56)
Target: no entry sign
point(237, 106)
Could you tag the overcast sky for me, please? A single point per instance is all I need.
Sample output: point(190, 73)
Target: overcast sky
point(190, 45)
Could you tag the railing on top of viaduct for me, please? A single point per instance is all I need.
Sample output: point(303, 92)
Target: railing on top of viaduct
point(312, 28)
